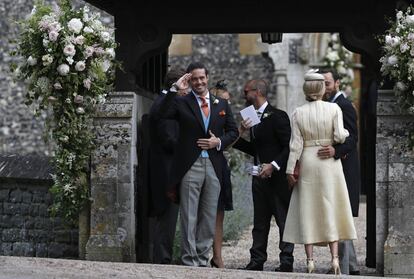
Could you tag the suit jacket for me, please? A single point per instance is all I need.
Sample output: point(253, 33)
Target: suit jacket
point(164, 137)
point(186, 111)
point(348, 152)
point(271, 143)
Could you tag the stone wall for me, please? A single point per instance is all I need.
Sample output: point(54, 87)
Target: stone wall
point(394, 189)
point(221, 55)
point(20, 131)
point(26, 228)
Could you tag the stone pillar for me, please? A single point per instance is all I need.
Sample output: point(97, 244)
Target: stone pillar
point(112, 228)
point(394, 190)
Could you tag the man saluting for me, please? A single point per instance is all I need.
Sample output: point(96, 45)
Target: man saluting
point(206, 128)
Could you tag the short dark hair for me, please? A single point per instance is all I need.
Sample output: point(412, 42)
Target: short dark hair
point(172, 76)
point(261, 85)
point(333, 71)
point(196, 65)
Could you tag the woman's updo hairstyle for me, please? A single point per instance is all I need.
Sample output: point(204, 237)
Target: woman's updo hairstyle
point(314, 86)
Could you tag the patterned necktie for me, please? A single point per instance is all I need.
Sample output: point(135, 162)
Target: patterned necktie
point(259, 114)
point(204, 106)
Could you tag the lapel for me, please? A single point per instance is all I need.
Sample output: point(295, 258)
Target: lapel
point(260, 126)
point(214, 108)
point(192, 102)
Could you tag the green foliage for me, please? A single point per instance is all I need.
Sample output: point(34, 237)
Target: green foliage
point(339, 58)
point(398, 60)
point(67, 61)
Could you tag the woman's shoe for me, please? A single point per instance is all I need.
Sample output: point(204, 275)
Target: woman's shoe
point(310, 265)
point(335, 266)
point(213, 263)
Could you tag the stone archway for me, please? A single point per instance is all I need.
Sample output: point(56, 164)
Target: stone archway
point(144, 30)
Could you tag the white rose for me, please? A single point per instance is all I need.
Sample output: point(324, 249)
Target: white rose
point(79, 40)
point(88, 51)
point(45, 42)
point(80, 66)
point(341, 70)
point(392, 60)
point(110, 52)
point(87, 83)
point(70, 60)
point(31, 60)
point(400, 86)
point(78, 99)
point(404, 47)
point(399, 14)
point(99, 51)
point(63, 69)
point(106, 64)
point(80, 110)
point(75, 25)
point(87, 30)
point(105, 36)
point(69, 50)
point(57, 85)
point(395, 41)
point(388, 39)
point(53, 35)
point(47, 59)
point(409, 19)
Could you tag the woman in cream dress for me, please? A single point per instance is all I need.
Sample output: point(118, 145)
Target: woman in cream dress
point(319, 210)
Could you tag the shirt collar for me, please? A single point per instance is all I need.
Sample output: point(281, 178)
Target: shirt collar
point(207, 96)
point(336, 96)
point(263, 107)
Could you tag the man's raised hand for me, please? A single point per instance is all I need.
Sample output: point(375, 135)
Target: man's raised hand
point(182, 82)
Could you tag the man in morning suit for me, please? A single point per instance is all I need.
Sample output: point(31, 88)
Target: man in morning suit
point(164, 139)
point(269, 145)
point(206, 128)
point(348, 153)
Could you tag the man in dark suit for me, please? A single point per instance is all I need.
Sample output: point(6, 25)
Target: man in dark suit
point(206, 128)
point(164, 138)
point(348, 153)
point(269, 145)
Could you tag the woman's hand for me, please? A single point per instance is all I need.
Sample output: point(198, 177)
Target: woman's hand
point(291, 181)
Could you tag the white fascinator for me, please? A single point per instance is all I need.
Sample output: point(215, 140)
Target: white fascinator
point(313, 74)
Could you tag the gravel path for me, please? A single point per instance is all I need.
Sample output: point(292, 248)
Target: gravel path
point(236, 254)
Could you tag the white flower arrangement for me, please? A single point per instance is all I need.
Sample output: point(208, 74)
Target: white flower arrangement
point(397, 62)
point(338, 57)
point(68, 61)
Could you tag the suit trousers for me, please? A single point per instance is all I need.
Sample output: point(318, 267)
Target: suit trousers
point(164, 234)
point(199, 192)
point(268, 203)
point(347, 257)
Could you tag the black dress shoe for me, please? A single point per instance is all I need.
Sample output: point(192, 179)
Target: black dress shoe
point(284, 268)
point(355, 272)
point(254, 266)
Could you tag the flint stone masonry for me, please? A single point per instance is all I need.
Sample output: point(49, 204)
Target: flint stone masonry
point(26, 228)
point(112, 226)
point(395, 192)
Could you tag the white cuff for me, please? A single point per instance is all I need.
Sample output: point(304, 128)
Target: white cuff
point(275, 165)
point(219, 145)
point(173, 89)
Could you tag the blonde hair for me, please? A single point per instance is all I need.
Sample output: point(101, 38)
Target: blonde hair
point(314, 89)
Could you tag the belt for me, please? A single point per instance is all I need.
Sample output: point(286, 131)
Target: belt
point(318, 142)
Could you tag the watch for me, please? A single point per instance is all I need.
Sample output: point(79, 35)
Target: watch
point(174, 85)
